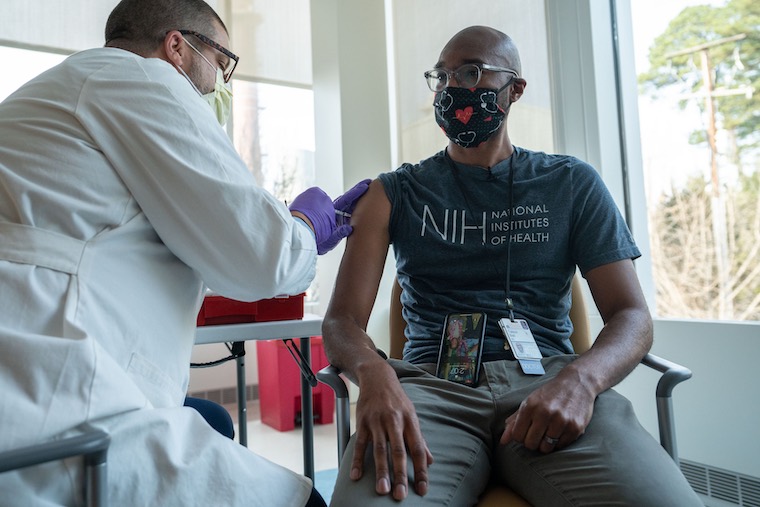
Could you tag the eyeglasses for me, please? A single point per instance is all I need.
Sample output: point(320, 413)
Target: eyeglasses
point(232, 57)
point(468, 75)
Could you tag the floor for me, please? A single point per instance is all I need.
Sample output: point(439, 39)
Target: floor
point(286, 447)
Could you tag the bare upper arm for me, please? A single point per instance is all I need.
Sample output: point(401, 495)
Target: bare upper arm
point(364, 258)
point(616, 287)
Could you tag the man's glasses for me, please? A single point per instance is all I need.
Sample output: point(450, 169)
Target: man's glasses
point(468, 75)
point(232, 57)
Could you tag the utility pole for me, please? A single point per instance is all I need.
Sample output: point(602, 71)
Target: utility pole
point(725, 301)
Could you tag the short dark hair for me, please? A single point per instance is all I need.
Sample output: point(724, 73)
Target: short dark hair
point(141, 25)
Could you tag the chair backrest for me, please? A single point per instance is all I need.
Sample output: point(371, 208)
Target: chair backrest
point(581, 337)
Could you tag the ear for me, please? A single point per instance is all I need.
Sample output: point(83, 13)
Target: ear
point(518, 88)
point(173, 48)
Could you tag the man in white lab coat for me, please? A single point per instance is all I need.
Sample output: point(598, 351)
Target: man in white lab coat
point(121, 199)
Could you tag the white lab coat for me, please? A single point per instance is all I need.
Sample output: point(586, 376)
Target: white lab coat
point(120, 196)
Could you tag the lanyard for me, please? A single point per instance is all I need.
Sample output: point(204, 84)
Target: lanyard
point(510, 202)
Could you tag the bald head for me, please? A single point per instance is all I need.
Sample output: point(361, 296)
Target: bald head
point(486, 44)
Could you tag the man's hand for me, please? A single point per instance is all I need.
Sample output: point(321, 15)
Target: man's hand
point(553, 416)
point(386, 420)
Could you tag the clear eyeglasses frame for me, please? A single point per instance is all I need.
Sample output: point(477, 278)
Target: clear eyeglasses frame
point(467, 76)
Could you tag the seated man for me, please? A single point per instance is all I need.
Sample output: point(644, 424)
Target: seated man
point(558, 438)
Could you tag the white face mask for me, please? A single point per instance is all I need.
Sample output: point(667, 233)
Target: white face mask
point(220, 99)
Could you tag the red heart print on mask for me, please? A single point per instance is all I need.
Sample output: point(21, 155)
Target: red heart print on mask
point(464, 115)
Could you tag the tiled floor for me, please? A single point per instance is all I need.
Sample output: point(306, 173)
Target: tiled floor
point(286, 447)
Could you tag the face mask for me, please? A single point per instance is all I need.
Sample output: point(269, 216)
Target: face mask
point(468, 116)
point(220, 99)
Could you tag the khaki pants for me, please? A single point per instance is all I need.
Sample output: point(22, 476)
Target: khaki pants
point(615, 462)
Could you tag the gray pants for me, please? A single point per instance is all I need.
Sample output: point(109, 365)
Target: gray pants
point(616, 461)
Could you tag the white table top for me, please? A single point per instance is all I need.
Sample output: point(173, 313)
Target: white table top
point(310, 325)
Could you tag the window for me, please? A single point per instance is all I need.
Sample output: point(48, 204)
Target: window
point(25, 65)
point(273, 131)
point(698, 86)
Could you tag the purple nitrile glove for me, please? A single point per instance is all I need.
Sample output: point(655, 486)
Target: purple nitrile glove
point(331, 220)
point(345, 204)
point(318, 208)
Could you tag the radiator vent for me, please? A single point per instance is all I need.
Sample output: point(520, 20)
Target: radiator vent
point(724, 485)
point(750, 490)
point(227, 395)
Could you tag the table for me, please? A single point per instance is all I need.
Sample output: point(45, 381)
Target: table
point(304, 329)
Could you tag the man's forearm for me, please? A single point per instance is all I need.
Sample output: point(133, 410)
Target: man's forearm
point(349, 348)
point(622, 343)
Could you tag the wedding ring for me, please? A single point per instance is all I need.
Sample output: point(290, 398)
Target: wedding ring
point(550, 440)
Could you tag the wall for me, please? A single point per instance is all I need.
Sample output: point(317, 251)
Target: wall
point(717, 411)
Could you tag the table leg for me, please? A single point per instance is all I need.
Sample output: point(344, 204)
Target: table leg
point(307, 413)
point(242, 405)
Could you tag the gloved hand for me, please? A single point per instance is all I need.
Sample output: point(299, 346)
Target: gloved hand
point(315, 204)
point(345, 204)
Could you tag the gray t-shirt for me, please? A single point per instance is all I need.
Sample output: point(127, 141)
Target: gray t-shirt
point(449, 229)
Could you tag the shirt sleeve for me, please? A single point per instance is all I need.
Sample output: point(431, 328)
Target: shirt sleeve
point(166, 145)
point(600, 235)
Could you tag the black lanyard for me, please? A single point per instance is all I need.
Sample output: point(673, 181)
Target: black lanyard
point(510, 202)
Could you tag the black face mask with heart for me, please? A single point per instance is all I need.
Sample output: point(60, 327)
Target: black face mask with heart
point(469, 116)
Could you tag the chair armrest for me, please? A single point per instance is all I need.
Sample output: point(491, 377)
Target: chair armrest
point(672, 375)
point(330, 375)
point(93, 445)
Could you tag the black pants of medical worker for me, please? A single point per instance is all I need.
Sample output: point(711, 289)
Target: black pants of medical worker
point(214, 414)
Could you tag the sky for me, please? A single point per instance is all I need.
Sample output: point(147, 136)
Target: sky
point(651, 18)
point(668, 157)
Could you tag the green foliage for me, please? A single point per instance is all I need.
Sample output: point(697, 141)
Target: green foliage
point(734, 64)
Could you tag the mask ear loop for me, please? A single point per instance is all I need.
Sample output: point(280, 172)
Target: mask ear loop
point(190, 81)
point(216, 69)
point(509, 105)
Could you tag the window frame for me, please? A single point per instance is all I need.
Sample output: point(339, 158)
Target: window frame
point(588, 121)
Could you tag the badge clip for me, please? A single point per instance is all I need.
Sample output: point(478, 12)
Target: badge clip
point(523, 345)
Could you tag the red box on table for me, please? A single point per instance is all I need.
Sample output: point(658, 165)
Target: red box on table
point(218, 310)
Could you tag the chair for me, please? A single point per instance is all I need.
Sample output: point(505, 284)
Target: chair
point(672, 375)
point(92, 445)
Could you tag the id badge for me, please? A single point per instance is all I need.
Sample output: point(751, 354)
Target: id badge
point(523, 345)
point(461, 348)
